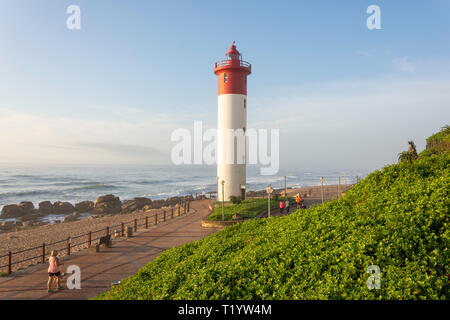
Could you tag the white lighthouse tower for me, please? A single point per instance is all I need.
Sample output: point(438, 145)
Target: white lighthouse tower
point(231, 124)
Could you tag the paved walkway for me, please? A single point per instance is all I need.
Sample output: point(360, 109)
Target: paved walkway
point(126, 257)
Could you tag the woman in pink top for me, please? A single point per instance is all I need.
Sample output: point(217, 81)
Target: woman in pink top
point(54, 272)
point(281, 206)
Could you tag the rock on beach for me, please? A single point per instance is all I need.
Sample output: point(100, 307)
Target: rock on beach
point(45, 207)
point(60, 207)
point(135, 204)
point(12, 211)
point(85, 206)
point(108, 204)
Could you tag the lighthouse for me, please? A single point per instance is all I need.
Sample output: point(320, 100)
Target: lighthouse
point(231, 124)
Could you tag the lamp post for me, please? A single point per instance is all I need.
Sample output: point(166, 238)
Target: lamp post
point(223, 200)
point(321, 189)
point(339, 187)
point(269, 192)
point(217, 188)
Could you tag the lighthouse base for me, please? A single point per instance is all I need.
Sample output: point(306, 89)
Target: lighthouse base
point(235, 180)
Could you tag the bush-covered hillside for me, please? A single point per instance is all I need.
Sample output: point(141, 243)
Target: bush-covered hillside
point(396, 218)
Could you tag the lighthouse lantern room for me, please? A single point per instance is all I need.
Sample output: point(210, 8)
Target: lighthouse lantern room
point(232, 122)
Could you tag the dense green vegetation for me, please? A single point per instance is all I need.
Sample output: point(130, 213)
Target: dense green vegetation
point(438, 143)
point(249, 208)
point(396, 218)
point(2, 274)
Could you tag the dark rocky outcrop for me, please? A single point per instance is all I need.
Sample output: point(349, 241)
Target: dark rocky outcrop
point(129, 206)
point(60, 207)
point(73, 217)
point(27, 206)
point(85, 206)
point(12, 211)
point(45, 207)
point(156, 204)
point(108, 204)
point(170, 202)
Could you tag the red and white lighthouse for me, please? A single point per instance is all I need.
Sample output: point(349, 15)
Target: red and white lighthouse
point(232, 122)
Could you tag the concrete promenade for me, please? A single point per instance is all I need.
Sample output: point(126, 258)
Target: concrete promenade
point(100, 269)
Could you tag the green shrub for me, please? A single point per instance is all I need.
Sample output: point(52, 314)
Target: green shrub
point(2, 274)
point(427, 153)
point(396, 218)
point(235, 199)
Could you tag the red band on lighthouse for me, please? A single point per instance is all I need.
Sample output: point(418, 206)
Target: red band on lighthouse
point(232, 73)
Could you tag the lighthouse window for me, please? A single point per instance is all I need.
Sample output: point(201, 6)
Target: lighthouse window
point(225, 77)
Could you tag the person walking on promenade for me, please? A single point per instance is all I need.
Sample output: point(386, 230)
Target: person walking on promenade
point(281, 206)
point(54, 272)
point(298, 200)
point(286, 204)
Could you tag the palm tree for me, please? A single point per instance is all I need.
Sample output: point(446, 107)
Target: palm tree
point(406, 156)
point(412, 149)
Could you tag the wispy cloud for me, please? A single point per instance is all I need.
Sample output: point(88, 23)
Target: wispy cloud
point(403, 64)
point(349, 123)
point(28, 137)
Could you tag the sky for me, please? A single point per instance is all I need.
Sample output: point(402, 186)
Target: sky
point(342, 96)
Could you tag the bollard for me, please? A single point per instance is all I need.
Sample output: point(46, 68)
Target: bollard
point(68, 246)
point(89, 239)
point(123, 229)
point(188, 206)
point(164, 212)
point(135, 225)
point(9, 262)
point(43, 253)
point(146, 222)
point(171, 213)
point(156, 218)
point(129, 232)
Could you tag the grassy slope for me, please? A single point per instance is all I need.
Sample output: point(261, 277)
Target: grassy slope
point(396, 218)
point(248, 209)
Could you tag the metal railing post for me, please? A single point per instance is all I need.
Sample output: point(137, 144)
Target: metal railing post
point(89, 239)
point(9, 262)
point(135, 225)
point(68, 246)
point(164, 212)
point(43, 253)
point(107, 231)
point(146, 222)
point(122, 227)
point(156, 218)
point(171, 213)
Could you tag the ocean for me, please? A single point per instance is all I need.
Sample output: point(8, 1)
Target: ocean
point(78, 183)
